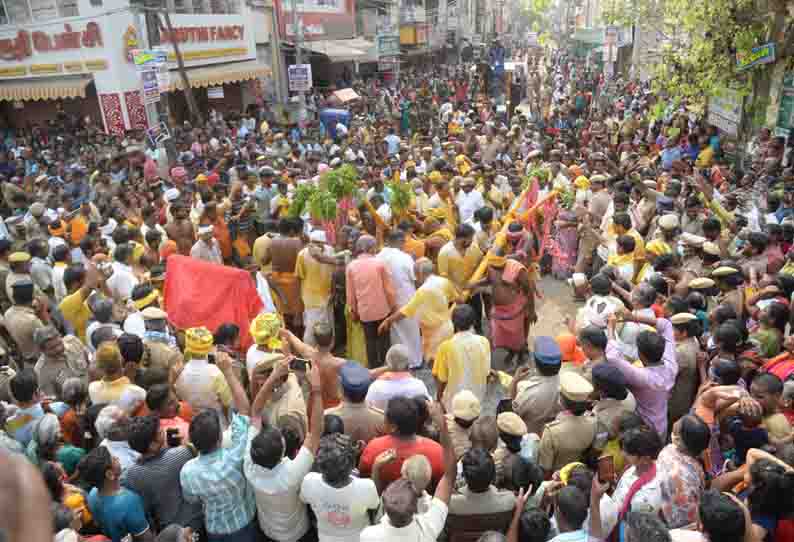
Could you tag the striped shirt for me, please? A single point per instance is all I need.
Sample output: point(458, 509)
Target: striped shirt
point(156, 480)
point(217, 481)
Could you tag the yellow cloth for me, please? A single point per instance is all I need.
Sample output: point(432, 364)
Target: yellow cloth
point(582, 182)
point(76, 312)
point(356, 342)
point(463, 164)
point(456, 267)
point(705, 158)
point(463, 363)
point(430, 305)
point(639, 244)
point(315, 280)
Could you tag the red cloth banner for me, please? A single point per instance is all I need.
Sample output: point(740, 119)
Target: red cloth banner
point(199, 293)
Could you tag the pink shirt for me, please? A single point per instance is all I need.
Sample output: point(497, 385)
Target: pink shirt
point(370, 292)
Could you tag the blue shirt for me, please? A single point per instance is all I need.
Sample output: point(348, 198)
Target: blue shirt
point(669, 155)
point(217, 481)
point(118, 515)
point(393, 144)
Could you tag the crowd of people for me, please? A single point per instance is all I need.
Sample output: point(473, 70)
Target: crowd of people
point(362, 402)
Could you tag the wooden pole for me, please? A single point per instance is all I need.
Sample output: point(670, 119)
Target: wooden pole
point(191, 100)
point(501, 237)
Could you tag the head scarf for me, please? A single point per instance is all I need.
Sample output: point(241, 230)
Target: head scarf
point(265, 330)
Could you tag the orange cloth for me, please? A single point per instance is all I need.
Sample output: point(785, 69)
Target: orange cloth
point(168, 248)
point(569, 349)
point(414, 247)
point(242, 247)
point(79, 229)
point(221, 232)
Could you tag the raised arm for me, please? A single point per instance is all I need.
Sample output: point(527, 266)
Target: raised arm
point(316, 422)
point(239, 397)
point(444, 488)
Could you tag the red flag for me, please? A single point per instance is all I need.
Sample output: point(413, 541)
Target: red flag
point(199, 293)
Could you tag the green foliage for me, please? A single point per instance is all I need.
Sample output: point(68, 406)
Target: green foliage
point(342, 182)
point(323, 200)
point(567, 198)
point(698, 43)
point(400, 196)
point(303, 193)
point(542, 173)
point(322, 205)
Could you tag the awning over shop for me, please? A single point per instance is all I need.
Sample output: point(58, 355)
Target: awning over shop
point(48, 88)
point(212, 76)
point(342, 50)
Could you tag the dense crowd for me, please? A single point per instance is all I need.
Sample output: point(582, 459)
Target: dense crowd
point(388, 386)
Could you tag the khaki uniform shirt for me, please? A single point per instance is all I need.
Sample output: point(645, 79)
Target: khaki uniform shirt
point(565, 440)
point(686, 381)
point(288, 399)
point(501, 456)
point(607, 411)
point(538, 401)
point(490, 501)
point(161, 355)
point(53, 372)
point(362, 422)
point(459, 437)
point(21, 322)
point(12, 278)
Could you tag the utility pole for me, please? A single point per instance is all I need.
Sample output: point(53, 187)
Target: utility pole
point(160, 113)
point(191, 100)
point(297, 29)
point(277, 61)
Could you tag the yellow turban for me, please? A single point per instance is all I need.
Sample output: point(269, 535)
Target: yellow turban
point(657, 247)
point(582, 182)
point(438, 213)
point(108, 355)
point(147, 300)
point(265, 330)
point(497, 261)
point(199, 341)
point(565, 472)
point(435, 177)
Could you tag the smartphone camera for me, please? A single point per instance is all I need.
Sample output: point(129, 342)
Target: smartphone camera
point(172, 437)
point(299, 364)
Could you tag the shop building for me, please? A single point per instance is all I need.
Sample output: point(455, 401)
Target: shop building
point(75, 56)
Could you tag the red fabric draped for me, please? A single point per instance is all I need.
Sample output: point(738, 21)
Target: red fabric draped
point(199, 293)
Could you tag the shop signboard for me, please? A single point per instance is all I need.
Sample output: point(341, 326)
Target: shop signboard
point(388, 45)
point(147, 59)
point(215, 93)
point(725, 110)
point(320, 19)
point(300, 77)
point(762, 54)
point(151, 90)
point(785, 115)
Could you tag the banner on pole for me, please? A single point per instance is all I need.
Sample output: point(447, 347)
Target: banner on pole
point(300, 77)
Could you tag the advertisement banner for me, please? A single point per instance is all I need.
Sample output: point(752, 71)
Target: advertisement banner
point(300, 77)
point(151, 90)
point(215, 93)
point(147, 59)
point(388, 45)
point(763, 54)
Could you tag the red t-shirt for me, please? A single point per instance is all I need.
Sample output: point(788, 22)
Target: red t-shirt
point(405, 448)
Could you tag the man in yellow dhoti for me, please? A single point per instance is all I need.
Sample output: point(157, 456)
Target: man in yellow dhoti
point(430, 305)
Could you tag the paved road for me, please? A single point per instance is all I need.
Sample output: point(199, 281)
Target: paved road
point(557, 303)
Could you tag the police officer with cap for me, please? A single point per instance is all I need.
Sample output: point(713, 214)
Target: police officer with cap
point(362, 422)
point(573, 434)
point(536, 398)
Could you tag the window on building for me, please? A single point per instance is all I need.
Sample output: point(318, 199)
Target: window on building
point(18, 11)
point(68, 8)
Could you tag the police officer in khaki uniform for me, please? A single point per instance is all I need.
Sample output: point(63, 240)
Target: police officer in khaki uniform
point(536, 399)
point(465, 411)
point(160, 348)
point(572, 434)
point(511, 433)
point(362, 422)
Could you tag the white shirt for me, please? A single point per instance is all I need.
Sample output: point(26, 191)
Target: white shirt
point(120, 449)
point(122, 281)
point(647, 499)
point(134, 324)
point(341, 512)
point(282, 516)
point(401, 269)
point(58, 285)
point(199, 384)
point(384, 389)
point(469, 203)
point(424, 528)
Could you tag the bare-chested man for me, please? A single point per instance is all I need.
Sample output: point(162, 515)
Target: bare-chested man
point(513, 308)
point(181, 230)
point(283, 255)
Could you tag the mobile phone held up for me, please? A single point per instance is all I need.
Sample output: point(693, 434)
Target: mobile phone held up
point(300, 365)
point(606, 469)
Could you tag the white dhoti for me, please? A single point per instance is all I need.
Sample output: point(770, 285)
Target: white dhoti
point(406, 333)
point(314, 316)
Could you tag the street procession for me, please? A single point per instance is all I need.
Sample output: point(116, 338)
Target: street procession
point(454, 271)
